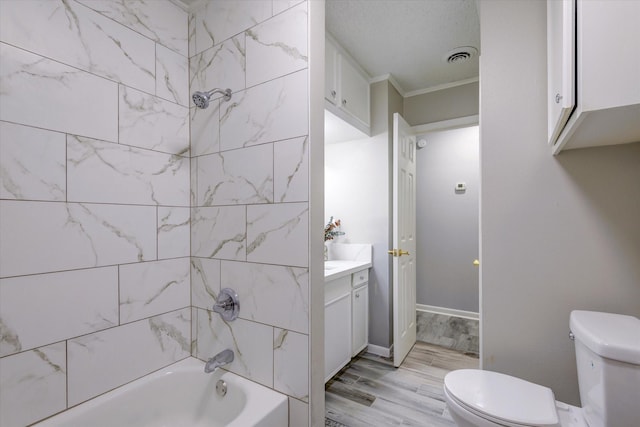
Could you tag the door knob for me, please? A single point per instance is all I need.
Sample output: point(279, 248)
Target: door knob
point(397, 252)
point(476, 262)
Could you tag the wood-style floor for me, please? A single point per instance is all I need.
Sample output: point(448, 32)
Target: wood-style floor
point(370, 392)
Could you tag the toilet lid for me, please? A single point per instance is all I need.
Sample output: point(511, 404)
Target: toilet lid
point(502, 397)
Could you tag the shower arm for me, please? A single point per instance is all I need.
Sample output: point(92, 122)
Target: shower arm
point(225, 92)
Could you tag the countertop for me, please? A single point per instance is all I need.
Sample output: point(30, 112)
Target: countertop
point(336, 269)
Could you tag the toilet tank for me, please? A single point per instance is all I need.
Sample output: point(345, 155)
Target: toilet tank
point(608, 360)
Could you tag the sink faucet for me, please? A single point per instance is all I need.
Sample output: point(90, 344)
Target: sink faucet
point(223, 358)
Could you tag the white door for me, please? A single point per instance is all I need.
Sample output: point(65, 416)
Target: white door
point(404, 239)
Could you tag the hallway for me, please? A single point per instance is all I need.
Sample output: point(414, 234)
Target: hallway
point(370, 392)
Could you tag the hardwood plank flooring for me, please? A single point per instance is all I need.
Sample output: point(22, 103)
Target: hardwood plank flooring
point(370, 392)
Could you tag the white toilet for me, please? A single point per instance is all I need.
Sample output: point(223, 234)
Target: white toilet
point(608, 360)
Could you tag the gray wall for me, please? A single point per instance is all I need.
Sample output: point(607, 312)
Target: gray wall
point(446, 104)
point(558, 233)
point(447, 222)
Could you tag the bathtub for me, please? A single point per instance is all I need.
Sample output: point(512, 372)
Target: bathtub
point(180, 395)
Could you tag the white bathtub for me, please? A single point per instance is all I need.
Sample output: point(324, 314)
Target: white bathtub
point(180, 395)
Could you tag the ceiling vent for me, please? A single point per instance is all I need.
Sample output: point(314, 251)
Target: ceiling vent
point(460, 55)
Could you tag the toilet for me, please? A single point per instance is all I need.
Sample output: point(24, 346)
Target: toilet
point(607, 350)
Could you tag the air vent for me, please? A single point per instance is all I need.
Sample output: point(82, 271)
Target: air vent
point(460, 55)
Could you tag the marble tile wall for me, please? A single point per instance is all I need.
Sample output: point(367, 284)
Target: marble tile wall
point(124, 210)
point(249, 184)
point(95, 199)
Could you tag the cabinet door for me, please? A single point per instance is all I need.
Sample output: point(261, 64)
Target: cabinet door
point(337, 335)
point(561, 63)
point(354, 91)
point(360, 319)
point(330, 65)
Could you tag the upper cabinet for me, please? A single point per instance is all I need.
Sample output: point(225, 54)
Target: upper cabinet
point(346, 87)
point(593, 73)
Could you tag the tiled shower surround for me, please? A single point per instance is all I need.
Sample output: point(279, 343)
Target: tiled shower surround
point(124, 210)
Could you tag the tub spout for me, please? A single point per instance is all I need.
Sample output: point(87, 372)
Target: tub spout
point(223, 358)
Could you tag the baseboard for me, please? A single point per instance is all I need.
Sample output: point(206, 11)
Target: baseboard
point(448, 311)
point(379, 350)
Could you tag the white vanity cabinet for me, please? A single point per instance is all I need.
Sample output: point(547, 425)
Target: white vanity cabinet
point(359, 312)
point(346, 315)
point(593, 73)
point(346, 87)
point(337, 325)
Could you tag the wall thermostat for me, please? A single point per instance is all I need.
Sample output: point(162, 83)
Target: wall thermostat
point(422, 143)
point(461, 187)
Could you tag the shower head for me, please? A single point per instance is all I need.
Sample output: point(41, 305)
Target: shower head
point(201, 99)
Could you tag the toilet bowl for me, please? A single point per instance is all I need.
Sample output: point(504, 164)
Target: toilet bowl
point(478, 398)
point(607, 348)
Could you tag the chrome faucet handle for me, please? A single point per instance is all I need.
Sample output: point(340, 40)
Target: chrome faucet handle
point(228, 304)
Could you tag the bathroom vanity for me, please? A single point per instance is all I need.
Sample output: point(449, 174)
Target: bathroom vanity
point(346, 303)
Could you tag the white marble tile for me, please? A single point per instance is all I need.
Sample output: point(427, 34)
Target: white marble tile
point(219, 232)
point(75, 35)
point(298, 413)
point(194, 331)
point(32, 163)
point(272, 111)
point(40, 237)
point(282, 5)
point(161, 21)
point(291, 170)
point(277, 46)
point(172, 76)
point(236, 177)
point(291, 363)
point(147, 121)
point(40, 309)
point(152, 288)
point(106, 172)
point(205, 129)
point(264, 289)
point(251, 343)
point(222, 66)
point(278, 234)
point(33, 385)
point(46, 94)
point(174, 237)
point(102, 361)
point(192, 34)
point(219, 20)
point(205, 282)
point(194, 181)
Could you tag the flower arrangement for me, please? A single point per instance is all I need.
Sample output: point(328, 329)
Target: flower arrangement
point(330, 229)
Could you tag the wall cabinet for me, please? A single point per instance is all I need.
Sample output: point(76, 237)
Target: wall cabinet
point(593, 69)
point(346, 87)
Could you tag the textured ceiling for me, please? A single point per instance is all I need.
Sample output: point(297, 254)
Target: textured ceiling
point(407, 38)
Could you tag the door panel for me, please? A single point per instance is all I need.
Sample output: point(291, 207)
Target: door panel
point(404, 239)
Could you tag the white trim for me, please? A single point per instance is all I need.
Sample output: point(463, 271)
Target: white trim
point(441, 87)
point(459, 122)
point(379, 350)
point(448, 311)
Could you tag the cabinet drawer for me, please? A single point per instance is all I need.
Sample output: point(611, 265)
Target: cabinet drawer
point(360, 277)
